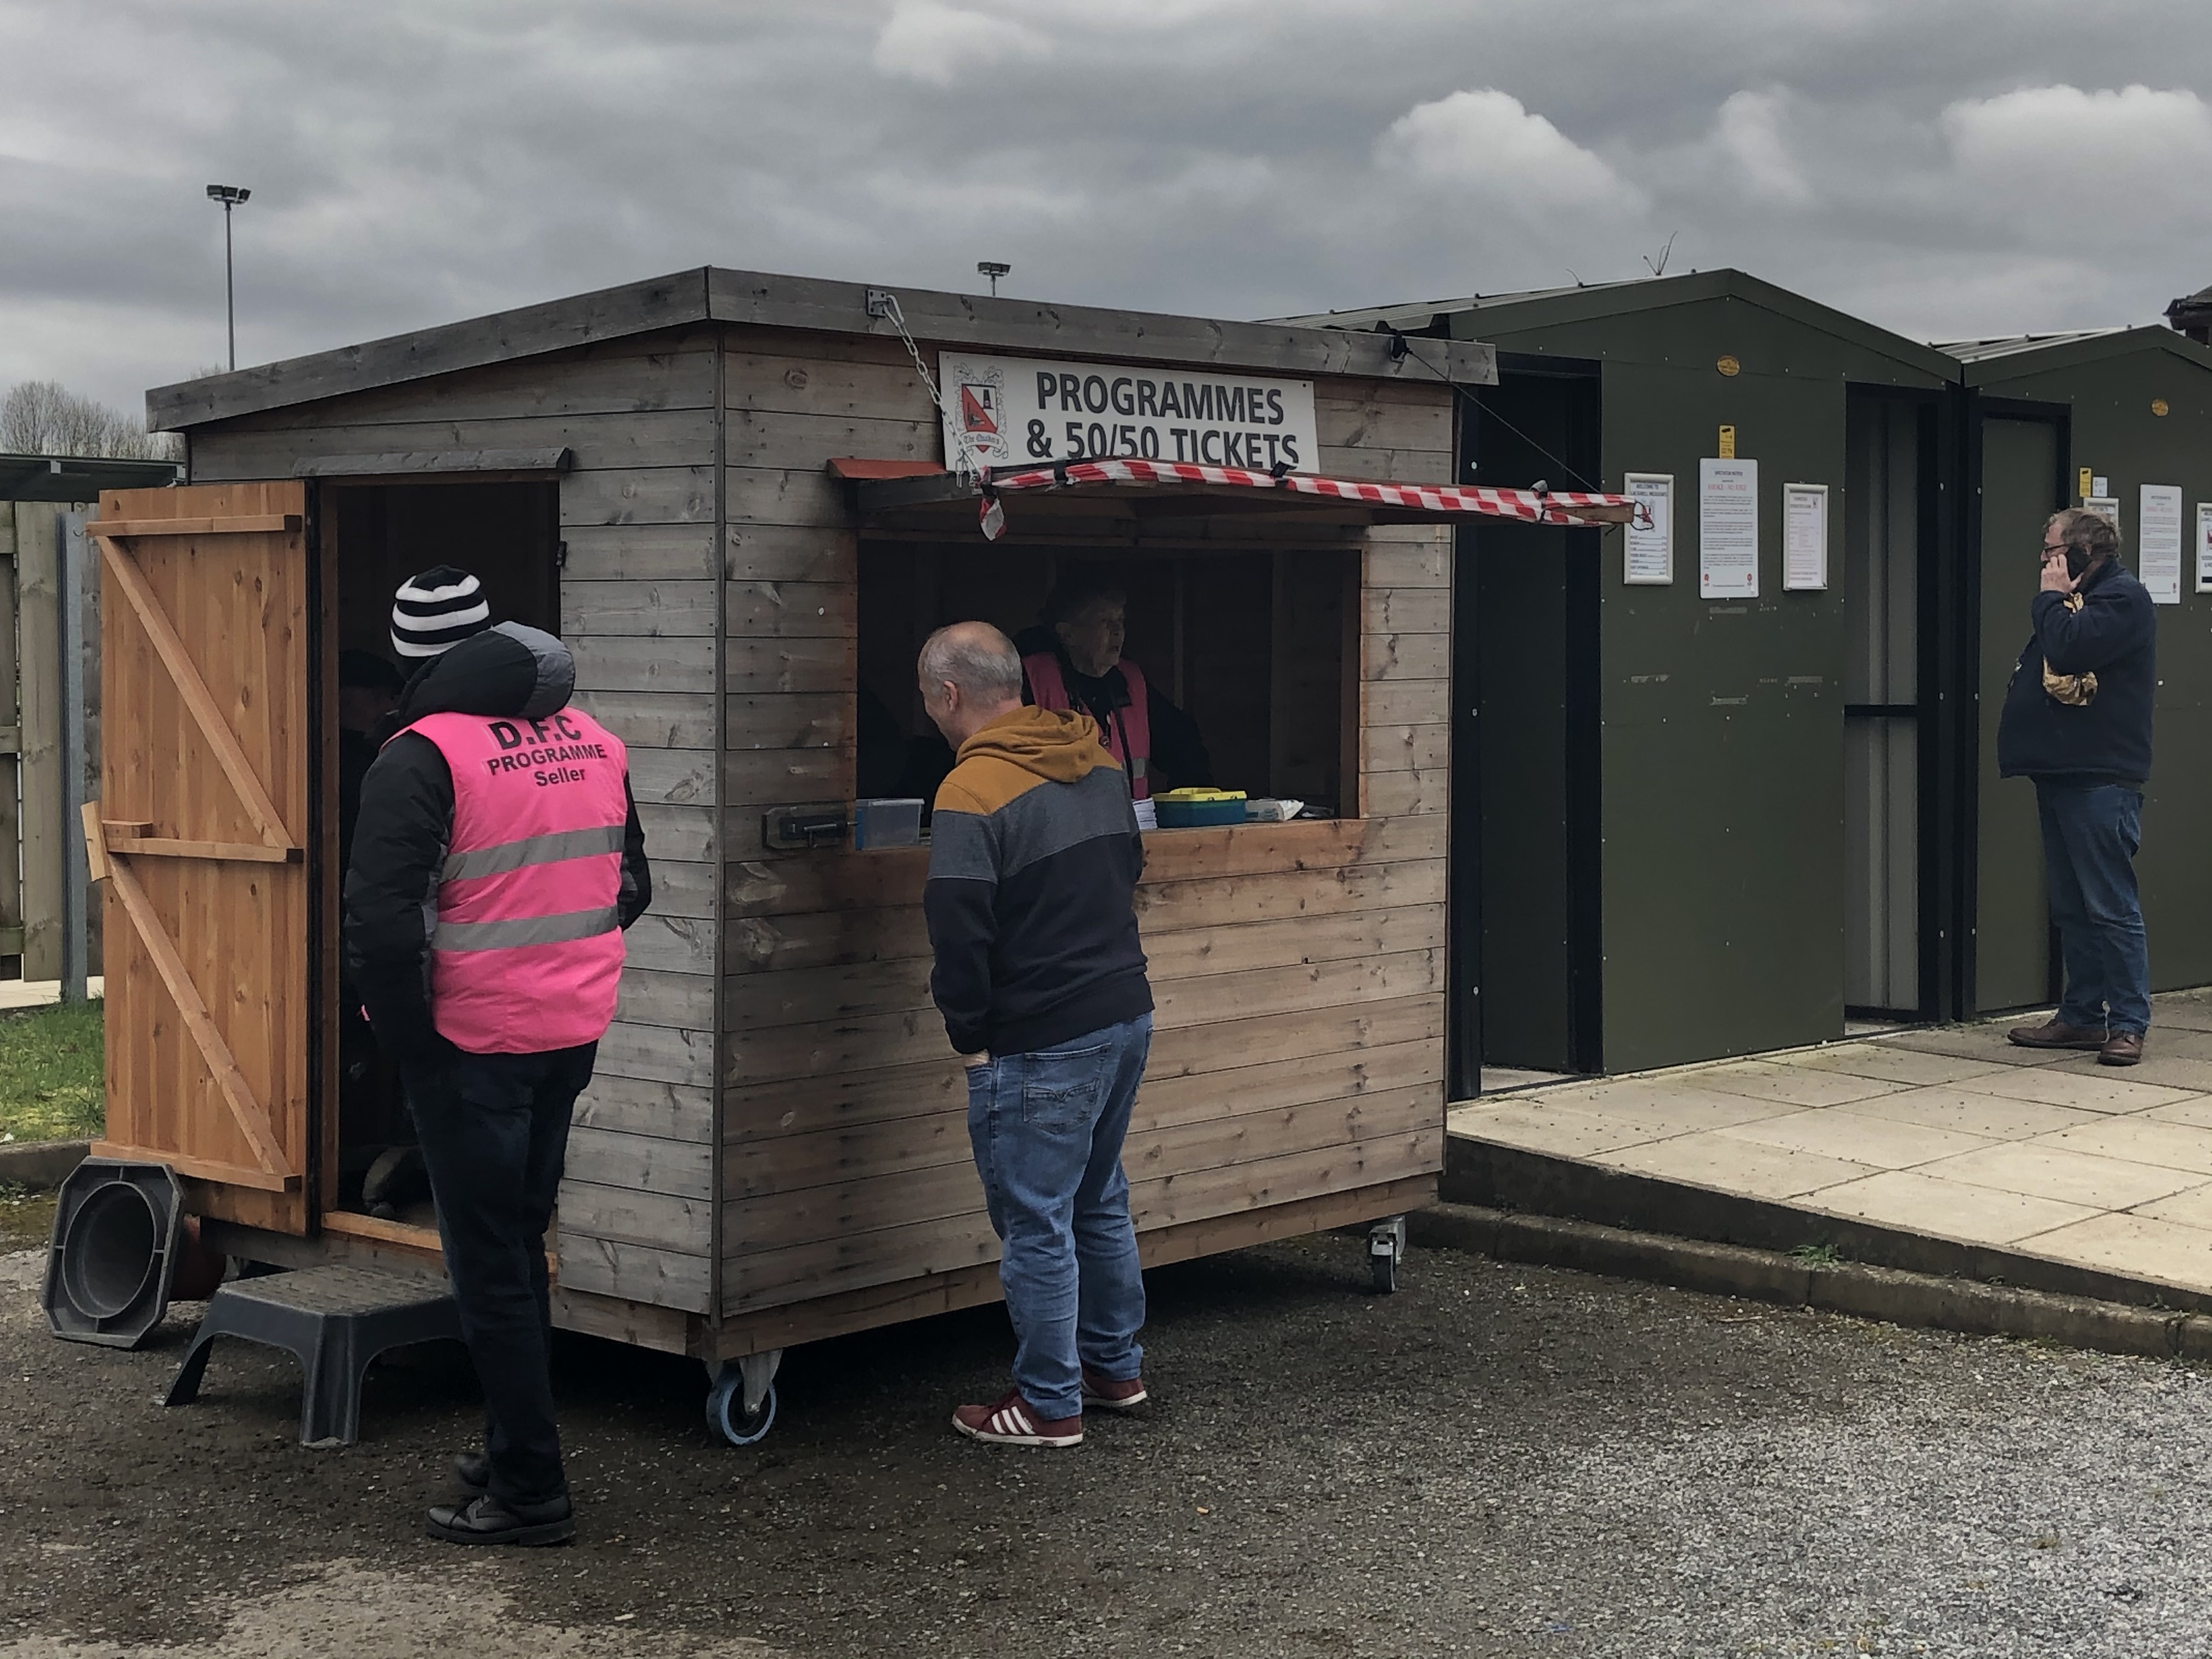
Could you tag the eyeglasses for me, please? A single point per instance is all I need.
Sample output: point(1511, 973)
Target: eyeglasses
point(2049, 548)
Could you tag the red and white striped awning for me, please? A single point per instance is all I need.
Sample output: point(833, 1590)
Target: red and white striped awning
point(1437, 501)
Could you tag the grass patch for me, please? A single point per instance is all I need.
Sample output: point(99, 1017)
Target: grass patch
point(1817, 1255)
point(52, 1074)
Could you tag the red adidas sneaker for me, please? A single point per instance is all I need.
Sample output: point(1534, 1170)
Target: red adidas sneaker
point(1011, 1422)
point(1109, 1394)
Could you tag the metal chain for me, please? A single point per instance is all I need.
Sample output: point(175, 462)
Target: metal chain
point(965, 463)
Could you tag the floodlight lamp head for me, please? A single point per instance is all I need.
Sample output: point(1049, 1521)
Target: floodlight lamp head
point(229, 195)
point(992, 268)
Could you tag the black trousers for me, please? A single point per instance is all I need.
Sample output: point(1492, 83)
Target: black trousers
point(495, 1131)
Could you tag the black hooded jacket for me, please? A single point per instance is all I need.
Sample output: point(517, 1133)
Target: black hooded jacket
point(407, 821)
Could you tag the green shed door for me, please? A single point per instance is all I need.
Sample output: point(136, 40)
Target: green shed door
point(2012, 928)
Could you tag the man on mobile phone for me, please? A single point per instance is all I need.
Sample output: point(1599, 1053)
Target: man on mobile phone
point(2076, 720)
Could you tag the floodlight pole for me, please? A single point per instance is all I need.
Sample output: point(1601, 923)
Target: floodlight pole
point(230, 196)
point(229, 288)
point(994, 268)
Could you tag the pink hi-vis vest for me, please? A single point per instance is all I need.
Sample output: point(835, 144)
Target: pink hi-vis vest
point(528, 953)
point(1127, 735)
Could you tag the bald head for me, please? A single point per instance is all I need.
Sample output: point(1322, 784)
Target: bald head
point(970, 675)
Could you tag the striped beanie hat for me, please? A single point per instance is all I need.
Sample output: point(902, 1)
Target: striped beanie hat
point(436, 611)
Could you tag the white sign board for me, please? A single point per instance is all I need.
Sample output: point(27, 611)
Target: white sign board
point(2204, 547)
point(2105, 506)
point(1025, 411)
point(1804, 536)
point(2158, 542)
point(1727, 529)
point(1648, 553)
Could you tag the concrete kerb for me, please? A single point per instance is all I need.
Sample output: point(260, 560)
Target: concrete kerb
point(1886, 1294)
point(41, 1163)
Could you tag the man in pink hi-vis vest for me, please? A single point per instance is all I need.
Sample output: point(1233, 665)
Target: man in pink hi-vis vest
point(496, 860)
point(1072, 660)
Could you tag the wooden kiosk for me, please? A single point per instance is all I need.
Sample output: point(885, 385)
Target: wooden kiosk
point(726, 493)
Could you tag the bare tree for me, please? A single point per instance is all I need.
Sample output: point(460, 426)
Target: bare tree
point(44, 417)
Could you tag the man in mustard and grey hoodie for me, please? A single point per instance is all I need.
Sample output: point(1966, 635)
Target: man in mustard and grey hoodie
point(1033, 865)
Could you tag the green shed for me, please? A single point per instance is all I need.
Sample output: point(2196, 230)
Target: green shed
point(2122, 416)
point(1700, 806)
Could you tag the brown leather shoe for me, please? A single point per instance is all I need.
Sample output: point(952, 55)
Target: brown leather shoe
point(2121, 1048)
point(2052, 1034)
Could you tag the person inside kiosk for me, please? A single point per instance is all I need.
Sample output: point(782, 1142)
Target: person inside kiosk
point(1072, 660)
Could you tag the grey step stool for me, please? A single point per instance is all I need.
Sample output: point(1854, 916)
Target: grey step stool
point(335, 1321)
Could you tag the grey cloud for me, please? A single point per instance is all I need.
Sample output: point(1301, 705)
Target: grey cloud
point(414, 162)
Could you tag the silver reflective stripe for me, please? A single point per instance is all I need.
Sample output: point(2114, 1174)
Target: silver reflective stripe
point(523, 930)
point(534, 849)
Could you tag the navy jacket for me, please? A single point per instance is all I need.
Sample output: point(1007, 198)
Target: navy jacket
point(2114, 636)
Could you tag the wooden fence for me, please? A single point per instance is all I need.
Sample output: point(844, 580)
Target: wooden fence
point(35, 801)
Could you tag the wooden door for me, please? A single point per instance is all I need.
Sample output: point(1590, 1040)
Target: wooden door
point(205, 652)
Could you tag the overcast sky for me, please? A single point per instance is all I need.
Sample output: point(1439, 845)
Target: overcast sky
point(1946, 168)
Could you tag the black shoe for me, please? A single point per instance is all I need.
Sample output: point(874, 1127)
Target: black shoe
point(487, 1521)
point(473, 1471)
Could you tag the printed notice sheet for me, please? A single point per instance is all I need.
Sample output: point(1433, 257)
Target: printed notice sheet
point(2204, 547)
point(2107, 507)
point(2158, 542)
point(1727, 529)
point(1804, 536)
point(1648, 555)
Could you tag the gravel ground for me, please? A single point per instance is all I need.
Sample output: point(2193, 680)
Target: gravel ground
point(1496, 1461)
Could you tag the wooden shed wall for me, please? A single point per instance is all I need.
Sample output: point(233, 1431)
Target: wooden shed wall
point(637, 599)
point(1299, 970)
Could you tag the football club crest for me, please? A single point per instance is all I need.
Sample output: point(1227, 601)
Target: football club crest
point(980, 408)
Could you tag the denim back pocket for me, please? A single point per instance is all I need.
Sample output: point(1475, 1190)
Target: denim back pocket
point(1061, 1088)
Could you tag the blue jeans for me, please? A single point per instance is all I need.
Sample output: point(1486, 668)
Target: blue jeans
point(1047, 1129)
point(2090, 835)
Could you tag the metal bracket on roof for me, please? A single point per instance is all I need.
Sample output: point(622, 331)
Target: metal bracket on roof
point(880, 303)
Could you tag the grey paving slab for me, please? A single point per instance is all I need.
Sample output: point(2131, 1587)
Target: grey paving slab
point(2185, 1012)
point(2191, 1207)
point(1840, 1131)
point(1499, 1080)
point(1922, 1203)
point(1669, 1105)
point(2140, 1246)
point(2182, 1045)
point(1541, 1127)
point(2197, 1110)
point(2174, 1071)
point(1892, 1064)
point(2104, 1091)
point(1798, 1084)
point(1730, 1164)
point(1969, 1042)
point(2071, 1177)
point(2160, 1143)
point(1992, 1117)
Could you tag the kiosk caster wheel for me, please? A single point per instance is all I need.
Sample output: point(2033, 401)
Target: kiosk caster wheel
point(741, 1405)
point(1386, 1247)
